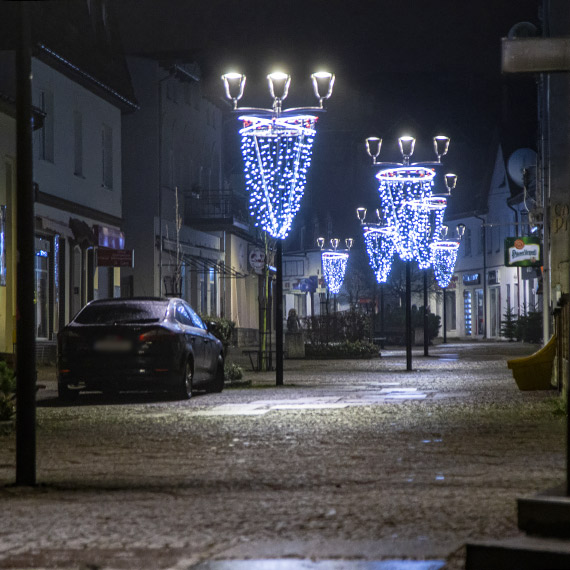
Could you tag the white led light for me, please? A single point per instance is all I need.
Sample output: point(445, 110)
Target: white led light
point(277, 155)
point(444, 256)
point(334, 268)
point(380, 248)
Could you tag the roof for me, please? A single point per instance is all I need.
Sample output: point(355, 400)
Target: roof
point(79, 39)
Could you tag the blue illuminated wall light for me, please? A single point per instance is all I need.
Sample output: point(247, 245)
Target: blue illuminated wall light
point(277, 155)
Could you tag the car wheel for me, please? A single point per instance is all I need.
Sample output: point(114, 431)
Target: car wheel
point(217, 384)
point(65, 394)
point(187, 381)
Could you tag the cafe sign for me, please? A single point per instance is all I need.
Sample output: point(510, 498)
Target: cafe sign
point(523, 252)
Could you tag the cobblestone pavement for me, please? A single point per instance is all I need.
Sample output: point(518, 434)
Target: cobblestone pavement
point(349, 460)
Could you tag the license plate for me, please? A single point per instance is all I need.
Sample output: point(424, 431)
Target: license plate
point(113, 345)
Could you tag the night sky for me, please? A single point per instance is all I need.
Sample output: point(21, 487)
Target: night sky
point(422, 67)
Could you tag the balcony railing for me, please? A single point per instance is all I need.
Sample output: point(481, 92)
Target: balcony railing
point(216, 205)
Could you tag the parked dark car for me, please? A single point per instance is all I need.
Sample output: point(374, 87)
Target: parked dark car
point(141, 343)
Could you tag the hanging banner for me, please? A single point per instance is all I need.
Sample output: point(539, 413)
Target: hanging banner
point(523, 252)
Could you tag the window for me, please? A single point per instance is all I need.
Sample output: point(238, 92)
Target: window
point(196, 320)
point(481, 239)
point(292, 268)
point(490, 236)
point(78, 143)
point(497, 238)
point(467, 242)
point(46, 133)
point(107, 156)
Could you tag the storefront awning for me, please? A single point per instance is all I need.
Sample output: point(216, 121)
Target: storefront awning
point(200, 264)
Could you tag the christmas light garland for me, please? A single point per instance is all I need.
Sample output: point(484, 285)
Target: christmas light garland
point(334, 269)
point(277, 155)
point(444, 256)
point(403, 194)
point(380, 248)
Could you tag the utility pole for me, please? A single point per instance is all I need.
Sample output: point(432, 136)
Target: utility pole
point(25, 283)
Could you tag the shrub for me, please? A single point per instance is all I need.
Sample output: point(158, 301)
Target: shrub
point(221, 328)
point(349, 326)
point(7, 407)
point(509, 324)
point(232, 372)
point(344, 349)
point(529, 327)
point(7, 379)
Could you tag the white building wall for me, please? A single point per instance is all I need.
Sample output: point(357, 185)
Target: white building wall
point(58, 177)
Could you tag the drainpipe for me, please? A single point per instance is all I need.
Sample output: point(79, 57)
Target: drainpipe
point(518, 268)
point(484, 274)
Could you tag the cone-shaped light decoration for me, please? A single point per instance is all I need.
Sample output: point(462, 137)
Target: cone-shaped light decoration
point(380, 248)
point(444, 256)
point(334, 269)
point(403, 191)
point(277, 156)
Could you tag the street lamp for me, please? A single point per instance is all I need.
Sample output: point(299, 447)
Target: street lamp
point(412, 213)
point(276, 145)
point(334, 262)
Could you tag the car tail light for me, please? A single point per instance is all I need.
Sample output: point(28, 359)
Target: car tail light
point(154, 335)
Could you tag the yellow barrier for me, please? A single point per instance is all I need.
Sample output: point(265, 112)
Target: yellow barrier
point(535, 371)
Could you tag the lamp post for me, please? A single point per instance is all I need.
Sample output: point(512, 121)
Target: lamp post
point(276, 145)
point(411, 213)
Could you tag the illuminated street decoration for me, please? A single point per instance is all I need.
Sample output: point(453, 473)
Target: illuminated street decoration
point(444, 256)
point(380, 247)
point(334, 269)
point(277, 156)
point(404, 192)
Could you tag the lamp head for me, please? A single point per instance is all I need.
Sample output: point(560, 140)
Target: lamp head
point(378, 214)
point(234, 84)
point(323, 83)
point(279, 85)
point(373, 146)
point(441, 146)
point(443, 232)
point(450, 181)
point(321, 242)
point(361, 214)
point(348, 243)
point(460, 230)
point(407, 145)
point(334, 243)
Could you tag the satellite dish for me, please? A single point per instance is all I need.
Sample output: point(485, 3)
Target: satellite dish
point(522, 30)
point(519, 160)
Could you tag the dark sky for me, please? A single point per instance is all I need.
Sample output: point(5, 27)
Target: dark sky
point(422, 67)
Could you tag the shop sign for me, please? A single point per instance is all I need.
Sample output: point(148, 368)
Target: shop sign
point(257, 260)
point(471, 278)
point(523, 252)
point(109, 257)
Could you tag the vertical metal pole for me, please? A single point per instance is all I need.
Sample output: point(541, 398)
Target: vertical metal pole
point(382, 309)
point(444, 316)
point(426, 320)
point(408, 315)
point(26, 318)
point(279, 314)
point(160, 187)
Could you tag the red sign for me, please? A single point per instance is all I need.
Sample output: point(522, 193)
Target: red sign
point(109, 257)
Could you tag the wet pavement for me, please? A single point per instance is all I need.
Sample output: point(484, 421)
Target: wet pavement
point(351, 462)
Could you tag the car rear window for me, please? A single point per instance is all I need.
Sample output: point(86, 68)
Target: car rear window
point(108, 314)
